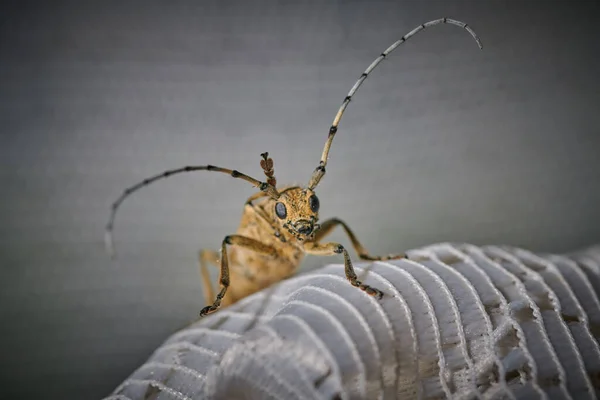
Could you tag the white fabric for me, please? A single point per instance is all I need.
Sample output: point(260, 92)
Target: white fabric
point(462, 322)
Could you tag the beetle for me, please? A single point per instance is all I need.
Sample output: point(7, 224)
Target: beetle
point(278, 225)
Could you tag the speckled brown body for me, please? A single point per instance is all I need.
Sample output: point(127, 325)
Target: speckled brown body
point(274, 234)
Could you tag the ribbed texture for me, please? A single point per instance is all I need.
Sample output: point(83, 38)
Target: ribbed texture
point(461, 322)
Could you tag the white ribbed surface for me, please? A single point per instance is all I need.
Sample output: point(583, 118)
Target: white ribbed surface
point(463, 322)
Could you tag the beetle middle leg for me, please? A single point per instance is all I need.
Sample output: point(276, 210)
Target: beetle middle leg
point(330, 224)
point(237, 240)
point(330, 249)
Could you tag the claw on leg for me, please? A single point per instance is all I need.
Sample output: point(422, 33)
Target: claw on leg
point(370, 290)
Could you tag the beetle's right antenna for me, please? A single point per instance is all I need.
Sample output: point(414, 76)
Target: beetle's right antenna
point(108, 235)
point(320, 170)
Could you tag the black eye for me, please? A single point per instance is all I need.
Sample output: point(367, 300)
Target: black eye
point(280, 210)
point(314, 203)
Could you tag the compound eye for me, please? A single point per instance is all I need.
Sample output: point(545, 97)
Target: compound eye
point(314, 203)
point(280, 210)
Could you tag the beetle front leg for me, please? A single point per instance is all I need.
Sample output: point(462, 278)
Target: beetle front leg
point(236, 240)
point(330, 249)
point(207, 257)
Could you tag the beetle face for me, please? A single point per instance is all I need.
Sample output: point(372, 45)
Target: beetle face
point(297, 210)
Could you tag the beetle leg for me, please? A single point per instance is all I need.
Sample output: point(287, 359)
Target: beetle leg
point(363, 254)
point(330, 249)
point(206, 257)
point(236, 240)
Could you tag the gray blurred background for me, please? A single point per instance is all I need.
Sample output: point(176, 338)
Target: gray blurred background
point(443, 143)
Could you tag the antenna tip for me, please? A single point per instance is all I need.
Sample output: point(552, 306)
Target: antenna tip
point(108, 245)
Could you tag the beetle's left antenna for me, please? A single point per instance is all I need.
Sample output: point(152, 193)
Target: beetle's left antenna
point(108, 234)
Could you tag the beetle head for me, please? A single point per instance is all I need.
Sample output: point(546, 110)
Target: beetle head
point(297, 210)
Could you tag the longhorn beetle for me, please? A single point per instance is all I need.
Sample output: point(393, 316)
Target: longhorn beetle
point(279, 225)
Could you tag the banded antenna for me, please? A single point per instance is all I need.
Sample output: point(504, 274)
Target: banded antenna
point(108, 233)
point(320, 170)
